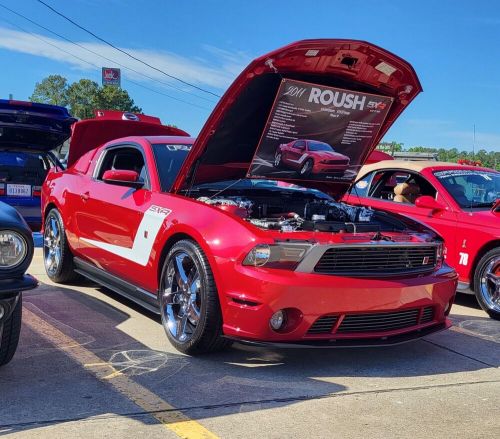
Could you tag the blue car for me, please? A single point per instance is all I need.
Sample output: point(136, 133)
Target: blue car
point(28, 133)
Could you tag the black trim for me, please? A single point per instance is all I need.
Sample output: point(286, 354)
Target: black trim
point(10, 287)
point(351, 342)
point(137, 295)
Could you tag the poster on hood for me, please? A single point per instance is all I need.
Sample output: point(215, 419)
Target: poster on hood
point(316, 132)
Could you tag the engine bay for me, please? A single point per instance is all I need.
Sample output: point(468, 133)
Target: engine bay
point(289, 210)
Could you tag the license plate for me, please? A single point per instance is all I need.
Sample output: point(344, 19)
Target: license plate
point(19, 190)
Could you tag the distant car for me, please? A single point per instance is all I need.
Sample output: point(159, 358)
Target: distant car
point(172, 223)
point(28, 132)
point(310, 157)
point(16, 252)
point(461, 202)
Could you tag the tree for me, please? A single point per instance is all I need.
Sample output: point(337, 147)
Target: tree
point(82, 97)
point(51, 90)
point(114, 98)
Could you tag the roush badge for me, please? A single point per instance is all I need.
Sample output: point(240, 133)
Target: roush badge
point(317, 132)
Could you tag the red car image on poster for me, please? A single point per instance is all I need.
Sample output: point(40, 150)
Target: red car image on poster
point(310, 157)
point(172, 222)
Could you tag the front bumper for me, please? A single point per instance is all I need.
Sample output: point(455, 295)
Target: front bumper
point(325, 168)
point(250, 296)
point(10, 287)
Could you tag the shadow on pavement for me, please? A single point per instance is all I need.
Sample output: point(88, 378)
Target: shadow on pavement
point(44, 386)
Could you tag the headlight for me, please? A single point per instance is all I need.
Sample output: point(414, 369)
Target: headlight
point(13, 249)
point(439, 255)
point(283, 255)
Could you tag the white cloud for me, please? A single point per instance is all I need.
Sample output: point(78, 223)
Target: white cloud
point(216, 69)
point(488, 141)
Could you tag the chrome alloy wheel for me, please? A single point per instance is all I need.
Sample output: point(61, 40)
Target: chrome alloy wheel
point(181, 297)
point(306, 167)
point(490, 284)
point(52, 245)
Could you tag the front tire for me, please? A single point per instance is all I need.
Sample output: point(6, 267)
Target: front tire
point(57, 257)
point(306, 168)
point(190, 309)
point(487, 283)
point(9, 334)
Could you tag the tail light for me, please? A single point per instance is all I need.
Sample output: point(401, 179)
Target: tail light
point(2, 188)
point(37, 191)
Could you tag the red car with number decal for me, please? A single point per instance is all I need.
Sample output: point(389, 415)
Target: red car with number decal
point(310, 157)
point(460, 202)
point(172, 223)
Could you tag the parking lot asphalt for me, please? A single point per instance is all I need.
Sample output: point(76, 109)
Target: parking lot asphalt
point(91, 364)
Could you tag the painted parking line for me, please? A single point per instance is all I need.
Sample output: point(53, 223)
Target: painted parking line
point(161, 410)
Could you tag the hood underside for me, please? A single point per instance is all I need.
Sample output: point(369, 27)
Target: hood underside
point(233, 141)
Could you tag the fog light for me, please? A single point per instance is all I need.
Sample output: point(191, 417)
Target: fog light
point(278, 320)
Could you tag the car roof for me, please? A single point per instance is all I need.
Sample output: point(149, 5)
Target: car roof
point(417, 166)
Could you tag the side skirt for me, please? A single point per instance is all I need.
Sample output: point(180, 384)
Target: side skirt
point(142, 297)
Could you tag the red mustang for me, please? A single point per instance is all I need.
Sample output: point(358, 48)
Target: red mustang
point(310, 157)
point(171, 222)
point(461, 202)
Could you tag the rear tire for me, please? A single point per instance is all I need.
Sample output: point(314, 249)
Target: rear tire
point(487, 283)
point(57, 257)
point(9, 335)
point(190, 309)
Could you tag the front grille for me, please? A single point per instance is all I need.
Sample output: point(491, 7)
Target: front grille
point(377, 260)
point(324, 325)
point(378, 322)
point(427, 315)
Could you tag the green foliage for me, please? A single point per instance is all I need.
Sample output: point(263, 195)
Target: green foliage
point(82, 97)
point(489, 159)
point(52, 90)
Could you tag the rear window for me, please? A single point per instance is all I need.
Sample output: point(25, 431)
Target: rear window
point(169, 159)
point(24, 167)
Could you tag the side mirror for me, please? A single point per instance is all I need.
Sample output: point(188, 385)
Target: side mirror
point(122, 177)
point(428, 202)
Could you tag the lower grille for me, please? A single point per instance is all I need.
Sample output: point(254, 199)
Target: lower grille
point(427, 315)
point(324, 325)
point(379, 322)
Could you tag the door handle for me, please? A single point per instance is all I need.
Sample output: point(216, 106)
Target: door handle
point(85, 196)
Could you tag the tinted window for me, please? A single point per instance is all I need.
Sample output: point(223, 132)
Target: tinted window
point(169, 159)
point(300, 144)
point(24, 167)
point(319, 146)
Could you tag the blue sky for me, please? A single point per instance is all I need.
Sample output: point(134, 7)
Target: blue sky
point(453, 45)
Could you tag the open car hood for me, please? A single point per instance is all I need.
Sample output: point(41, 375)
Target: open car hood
point(109, 125)
point(230, 143)
point(30, 125)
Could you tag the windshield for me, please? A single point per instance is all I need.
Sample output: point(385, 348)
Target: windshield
point(169, 159)
point(319, 146)
point(471, 188)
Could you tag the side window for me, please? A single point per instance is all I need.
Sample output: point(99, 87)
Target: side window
point(127, 157)
point(300, 144)
point(399, 186)
point(361, 187)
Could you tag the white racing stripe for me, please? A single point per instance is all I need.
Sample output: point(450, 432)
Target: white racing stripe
point(144, 238)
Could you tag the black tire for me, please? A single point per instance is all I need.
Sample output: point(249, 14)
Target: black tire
point(65, 269)
point(278, 159)
point(306, 168)
point(207, 334)
point(487, 270)
point(9, 335)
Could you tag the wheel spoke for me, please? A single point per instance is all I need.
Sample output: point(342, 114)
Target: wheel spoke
point(181, 327)
point(180, 273)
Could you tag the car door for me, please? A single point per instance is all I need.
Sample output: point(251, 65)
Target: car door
point(295, 153)
point(377, 190)
point(109, 219)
